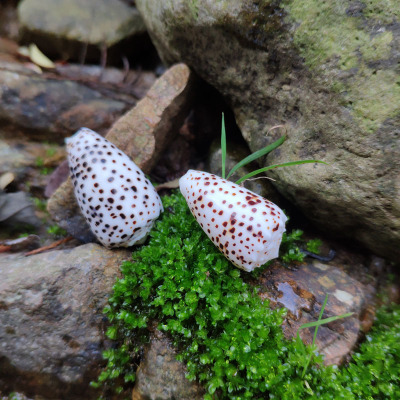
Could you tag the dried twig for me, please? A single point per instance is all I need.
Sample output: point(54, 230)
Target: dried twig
point(3, 249)
point(49, 247)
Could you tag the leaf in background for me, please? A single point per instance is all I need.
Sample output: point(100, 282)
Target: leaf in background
point(6, 179)
point(39, 58)
point(168, 185)
point(288, 164)
point(257, 154)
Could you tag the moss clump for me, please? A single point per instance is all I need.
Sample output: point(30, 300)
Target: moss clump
point(374, 372)
point(229, 339)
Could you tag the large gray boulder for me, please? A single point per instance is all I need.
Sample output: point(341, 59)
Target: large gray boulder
point(52, 329)
point(330, 74)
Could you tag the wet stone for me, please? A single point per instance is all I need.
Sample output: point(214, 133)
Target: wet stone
point(51, 321)
point(161, 377)
point(302, 290)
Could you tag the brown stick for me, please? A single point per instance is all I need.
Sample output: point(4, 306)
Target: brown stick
point(50, 246)
point(3, 249)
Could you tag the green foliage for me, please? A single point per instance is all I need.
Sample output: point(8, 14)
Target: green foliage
point(290, 250)
point(40, 204)
point(374, 372)
point(39, 163)
point(51, 151)
point(316, 325)
point(223, 146)
point(55, 230)
point(252, 157)
point(230, 340)
point(287, 164)
point(46, 170)
point(314, 245)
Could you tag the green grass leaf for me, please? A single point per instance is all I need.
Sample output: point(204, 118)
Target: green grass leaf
point(324, 321)
point(317, 324)
point(287, 164)
point(223, 146)
point(257, 154)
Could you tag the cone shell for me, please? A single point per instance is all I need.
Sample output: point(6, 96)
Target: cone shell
point(114, 195)
point(243, 225)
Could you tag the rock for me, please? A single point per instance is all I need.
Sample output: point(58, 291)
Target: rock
point(59, 176)
point(302, 290)
point(329, 74)
point(142, 133)
point(64, 28)
point(126, 84)
point(51, 322)
point(49, 109)
point(64, 210)
point(9, 26)
point(16, 209)
point(28, 162)
point(161, 377)
point(24, 243)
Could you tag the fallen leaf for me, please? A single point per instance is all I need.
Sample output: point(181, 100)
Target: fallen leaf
point(23, 51)
point(6, 179)
point(39, 58)
point(168, 185)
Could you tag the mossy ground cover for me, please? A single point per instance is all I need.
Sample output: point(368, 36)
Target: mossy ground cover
point(230, 340)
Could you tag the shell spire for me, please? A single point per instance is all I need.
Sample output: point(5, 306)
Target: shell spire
point(114, 195)
point(243, 225)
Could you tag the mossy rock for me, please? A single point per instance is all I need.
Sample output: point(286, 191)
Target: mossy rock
point(329, 73)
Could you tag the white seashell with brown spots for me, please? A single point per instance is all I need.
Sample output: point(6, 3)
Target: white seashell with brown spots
point(246, 227)
point(117, 200)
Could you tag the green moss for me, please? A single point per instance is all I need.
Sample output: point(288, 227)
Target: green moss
point(374, 372)
point(384, 11)
point(375, 98)
point(229, 339)
point(327, 34)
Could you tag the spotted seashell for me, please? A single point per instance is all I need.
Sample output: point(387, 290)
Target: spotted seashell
point(246, 227)
point(117, 200)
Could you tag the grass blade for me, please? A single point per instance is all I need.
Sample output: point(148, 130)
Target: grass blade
point(223, 146)
point(257, 154)
point(288, 164)
point(325, 321)
point(315, 335)
point(316, 325)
